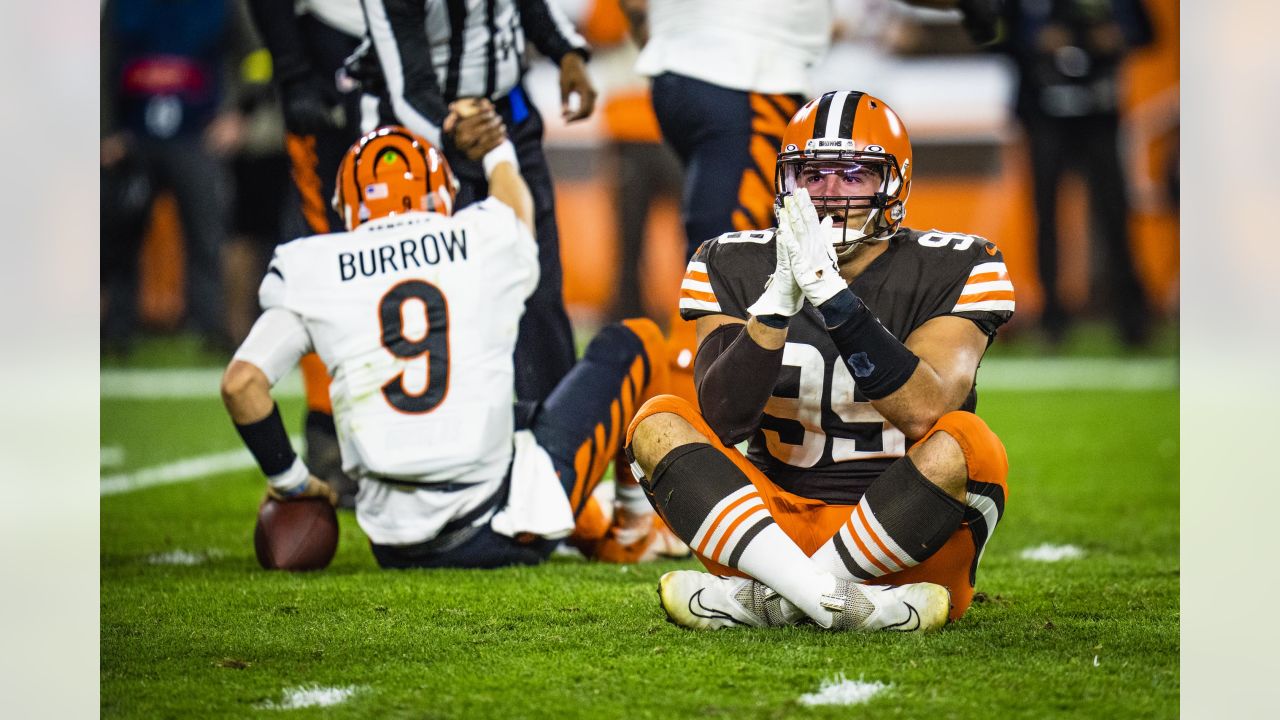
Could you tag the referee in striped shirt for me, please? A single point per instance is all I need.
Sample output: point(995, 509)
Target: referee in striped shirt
point(433, 52)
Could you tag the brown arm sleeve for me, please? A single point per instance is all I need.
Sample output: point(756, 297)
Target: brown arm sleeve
point(734, 377)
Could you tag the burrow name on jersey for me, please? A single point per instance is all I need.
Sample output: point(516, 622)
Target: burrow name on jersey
point(429, 249)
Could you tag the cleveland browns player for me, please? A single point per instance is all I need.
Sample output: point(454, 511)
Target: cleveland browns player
point(414, 310)
point(844, 347)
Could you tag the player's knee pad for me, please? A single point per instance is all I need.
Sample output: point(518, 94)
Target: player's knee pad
point(984, 454)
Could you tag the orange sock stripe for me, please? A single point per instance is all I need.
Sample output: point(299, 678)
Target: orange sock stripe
point(853, 533)
point(711, 530)
point(876, 538)
point(728, 533)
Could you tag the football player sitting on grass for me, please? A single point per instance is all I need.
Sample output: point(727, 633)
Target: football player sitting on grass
point(845, 348)
point(414, 311)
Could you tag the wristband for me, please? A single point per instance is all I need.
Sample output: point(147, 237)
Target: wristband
point(880, 363)
point(269, 443)
point(506, 152)
point(777, 322)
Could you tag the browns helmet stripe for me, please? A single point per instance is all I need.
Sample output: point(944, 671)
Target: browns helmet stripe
point(831, 124)
point(835, 114)
point(820, 117)
point(847, 113)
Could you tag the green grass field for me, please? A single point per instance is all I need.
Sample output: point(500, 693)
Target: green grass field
point(1090, 637)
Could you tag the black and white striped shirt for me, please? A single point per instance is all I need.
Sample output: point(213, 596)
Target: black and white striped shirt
point(470, 48)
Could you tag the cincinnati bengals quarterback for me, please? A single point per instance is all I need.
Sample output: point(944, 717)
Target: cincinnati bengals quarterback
point(844, 347)
point(414, 310)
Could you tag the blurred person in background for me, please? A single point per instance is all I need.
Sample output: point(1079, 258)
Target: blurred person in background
point(433, 52)
point(170, 118)
point(324, 112)
point(1068, 55)
point(260, 169)
point(645, 168)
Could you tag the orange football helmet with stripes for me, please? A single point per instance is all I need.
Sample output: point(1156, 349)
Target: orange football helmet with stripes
point(392, 170)
point(846, 131)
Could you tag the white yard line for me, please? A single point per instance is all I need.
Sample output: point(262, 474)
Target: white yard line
point(996, 374)
point(180, 471)
point(1078, 374)
point(178, 384)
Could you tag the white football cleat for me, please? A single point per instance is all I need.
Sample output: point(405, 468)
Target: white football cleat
point(702, 601)
point(918, 607)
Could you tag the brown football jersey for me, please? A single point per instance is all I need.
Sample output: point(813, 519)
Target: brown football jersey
point(819, 436)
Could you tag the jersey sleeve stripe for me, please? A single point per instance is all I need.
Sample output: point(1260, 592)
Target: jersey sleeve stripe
point(989, 267)
point(699, 285)
point(696, 266)
point(696, 275)
point(979, 297)
point(1005, 305)
point(977, 288)
point(692, 304)
point(698, 295)
point(987, 277)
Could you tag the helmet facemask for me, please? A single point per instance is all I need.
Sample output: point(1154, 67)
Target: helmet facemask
point(858, 219)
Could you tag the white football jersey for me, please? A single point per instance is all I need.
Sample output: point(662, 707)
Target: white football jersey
point(415, 316)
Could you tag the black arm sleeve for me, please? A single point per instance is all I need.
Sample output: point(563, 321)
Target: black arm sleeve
point(541, 29)
point(734, 377)
point(399, 32)
point(278, 26)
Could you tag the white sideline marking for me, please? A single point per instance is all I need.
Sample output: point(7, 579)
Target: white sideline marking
point(839, 690)
point(179, 383)
point(184, 470)
point(183, 557)
point(1078, 374)
point(1052, 553)
point(996, 374)
point(310, 696)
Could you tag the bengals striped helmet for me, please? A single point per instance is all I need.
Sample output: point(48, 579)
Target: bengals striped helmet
point(849, 132)
point(392, 170)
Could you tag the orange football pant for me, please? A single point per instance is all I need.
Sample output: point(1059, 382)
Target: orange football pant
point(811, 523)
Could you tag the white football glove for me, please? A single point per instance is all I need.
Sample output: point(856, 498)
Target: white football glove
point(781, 295)
point(813, 261)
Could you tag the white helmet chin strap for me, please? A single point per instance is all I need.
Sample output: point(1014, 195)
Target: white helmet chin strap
point(847, 240)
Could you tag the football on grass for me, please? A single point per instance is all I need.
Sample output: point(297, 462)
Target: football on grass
point(296, 535)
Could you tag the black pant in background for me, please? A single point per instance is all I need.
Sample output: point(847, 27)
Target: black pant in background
point(1090, 145)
